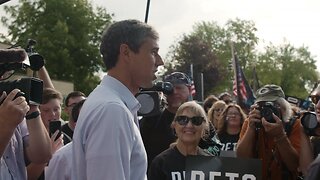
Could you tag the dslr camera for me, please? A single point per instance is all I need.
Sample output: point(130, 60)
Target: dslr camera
point(267, 108)
point(152, 100)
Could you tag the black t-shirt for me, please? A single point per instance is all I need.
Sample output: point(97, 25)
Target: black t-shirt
point(170, 165)
point(228, 141)
point(67, 133)
point(157, 134)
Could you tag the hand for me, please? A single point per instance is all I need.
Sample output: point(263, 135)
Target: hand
point(274, 130)
point(56, 144)
point(13, 110)
point(254, 116)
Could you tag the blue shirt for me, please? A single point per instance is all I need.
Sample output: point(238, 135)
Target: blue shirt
point(107, 143)
point(12, 161)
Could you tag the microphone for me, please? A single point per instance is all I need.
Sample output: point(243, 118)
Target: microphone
point(12, 55)
point(165, 87)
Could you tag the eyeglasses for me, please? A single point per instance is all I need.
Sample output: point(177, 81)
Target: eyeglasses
point(218, 110)
point(233, 114)
point(184, 120)
point(315, 99)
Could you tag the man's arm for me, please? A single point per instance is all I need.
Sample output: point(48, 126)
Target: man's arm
point(38, 144)
point(44, 76)
point(288, 149)
point(12, 112)
point(246, 141)
point(306, 153)
point(109, 145)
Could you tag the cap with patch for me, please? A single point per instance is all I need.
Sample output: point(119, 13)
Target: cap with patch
point(178, 78)
point(269, 92)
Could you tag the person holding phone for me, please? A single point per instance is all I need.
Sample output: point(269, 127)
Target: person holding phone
point(59, 167)
point(107, 143)
point(51, 114)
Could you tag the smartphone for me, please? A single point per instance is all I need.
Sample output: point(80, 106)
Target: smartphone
point(53, 127)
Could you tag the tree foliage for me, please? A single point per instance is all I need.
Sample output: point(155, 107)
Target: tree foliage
point(207, 47)
point(67, 34)
point(292, 68)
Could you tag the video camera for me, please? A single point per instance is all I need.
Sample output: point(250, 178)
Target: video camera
point(151, 99)
point(310, 123)
point(16, 59)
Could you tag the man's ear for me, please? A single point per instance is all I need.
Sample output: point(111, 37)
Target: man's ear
point(124, 50)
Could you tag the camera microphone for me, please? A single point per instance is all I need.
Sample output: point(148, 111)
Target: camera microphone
point(165, 87)
point(12, 55)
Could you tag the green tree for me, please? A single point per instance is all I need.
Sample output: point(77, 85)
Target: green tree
point(207, 47)
point(292, 68)
point(67, 34)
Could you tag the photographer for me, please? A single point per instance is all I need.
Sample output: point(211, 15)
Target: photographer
point(264, 135)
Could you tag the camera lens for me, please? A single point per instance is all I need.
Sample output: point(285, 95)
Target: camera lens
point(309, 120)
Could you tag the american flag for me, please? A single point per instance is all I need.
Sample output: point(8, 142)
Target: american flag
point(193, 89)
point(241, 88)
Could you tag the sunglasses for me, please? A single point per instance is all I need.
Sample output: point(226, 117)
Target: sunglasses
point(184, 120)
point(315, 99)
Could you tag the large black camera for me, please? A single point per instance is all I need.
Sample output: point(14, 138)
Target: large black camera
point(16, 59)
point(267, 108)
point(151, 99)
point(32, 89)
point(310, 123)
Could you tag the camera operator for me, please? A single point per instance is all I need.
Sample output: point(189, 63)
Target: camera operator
point(264, 135)
point(156, 131)
point(311, 143)
point(22, 133)
point(21, 139)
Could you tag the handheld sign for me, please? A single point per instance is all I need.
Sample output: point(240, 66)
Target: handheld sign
point(222, 168)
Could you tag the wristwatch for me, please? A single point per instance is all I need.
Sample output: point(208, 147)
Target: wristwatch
point(33, 115)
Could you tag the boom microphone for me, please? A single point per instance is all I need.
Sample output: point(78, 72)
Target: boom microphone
point(12, 55)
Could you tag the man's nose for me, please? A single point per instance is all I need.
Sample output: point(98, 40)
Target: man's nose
point(159, 61)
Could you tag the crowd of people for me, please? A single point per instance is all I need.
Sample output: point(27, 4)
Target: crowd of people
point(104, 138)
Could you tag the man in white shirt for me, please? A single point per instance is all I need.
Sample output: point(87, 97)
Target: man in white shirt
point(107, 143)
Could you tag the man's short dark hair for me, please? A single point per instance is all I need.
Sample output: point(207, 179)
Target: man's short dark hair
point(76, 110)
point(130, 32)
point(72, 95)
point(49, 93)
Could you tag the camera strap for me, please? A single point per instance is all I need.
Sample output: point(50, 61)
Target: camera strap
point(288, 125)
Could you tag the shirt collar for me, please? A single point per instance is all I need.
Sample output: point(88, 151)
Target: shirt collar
point(123, 92)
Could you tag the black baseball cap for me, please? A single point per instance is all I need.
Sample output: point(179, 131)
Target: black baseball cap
point(178, 78)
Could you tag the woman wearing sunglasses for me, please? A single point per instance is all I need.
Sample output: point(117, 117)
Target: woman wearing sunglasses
point(189, 124)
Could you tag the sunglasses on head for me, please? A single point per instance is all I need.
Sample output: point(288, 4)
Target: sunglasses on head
point(184, 120)
point(315, 99)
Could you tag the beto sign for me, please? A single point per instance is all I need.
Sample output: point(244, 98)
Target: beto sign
point(218, 168)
